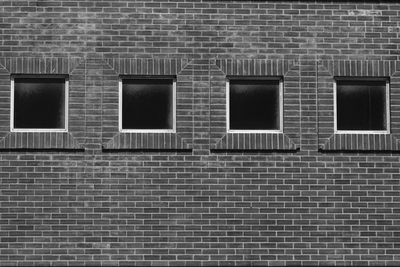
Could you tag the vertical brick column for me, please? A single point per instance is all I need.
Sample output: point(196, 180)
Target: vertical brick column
point(201, 98)
point(93, 173)
point(4, 98)
point(93, 88)
point(308, 102)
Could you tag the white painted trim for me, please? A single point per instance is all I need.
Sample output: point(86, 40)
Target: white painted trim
point(335, 130)
point(12, 105)
point(173, 105)
point(120, 104)
point(388, 106)
point(147, 131)
point(281, 105)
point(44, 130)
point(280, 130)
point(36, 130)
point(173, 130)
point(228, 126)
point(362, 132)
point(255, 131)
point(66, 103)
point(387, 131)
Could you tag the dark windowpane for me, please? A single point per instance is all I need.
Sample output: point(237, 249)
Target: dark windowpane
point(361, 105)
point(254, 105)
point(39, 103)
point(147, 104)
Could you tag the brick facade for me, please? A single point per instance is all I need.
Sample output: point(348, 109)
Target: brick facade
point(200, 196)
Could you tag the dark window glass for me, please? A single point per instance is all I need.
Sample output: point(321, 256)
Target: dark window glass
point(39, 103)
point(361, 105)
point(254, 105)
point(147, 104)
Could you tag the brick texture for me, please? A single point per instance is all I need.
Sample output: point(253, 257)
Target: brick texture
point(200, 196)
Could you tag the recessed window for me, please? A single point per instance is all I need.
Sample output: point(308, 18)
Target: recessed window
point(39, 103)
point(362, 105)
point(147, 104)
point(255, 104)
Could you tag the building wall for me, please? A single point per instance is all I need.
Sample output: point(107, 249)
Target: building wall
point(200, 196)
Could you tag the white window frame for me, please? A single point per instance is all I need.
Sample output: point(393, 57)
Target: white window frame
point(272, 78)
point(66, 96)
point(173, 130)
point(387, 131)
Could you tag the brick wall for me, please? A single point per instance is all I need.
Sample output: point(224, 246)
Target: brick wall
point(199, 197)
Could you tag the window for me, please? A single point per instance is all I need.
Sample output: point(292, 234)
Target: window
point(255, 104)
point(39, 103)
point(362, 105)
point(147, 104)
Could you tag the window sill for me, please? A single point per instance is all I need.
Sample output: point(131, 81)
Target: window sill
point(39, 141)
point(255, 142)
point(146, 142)
point(361, 142)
